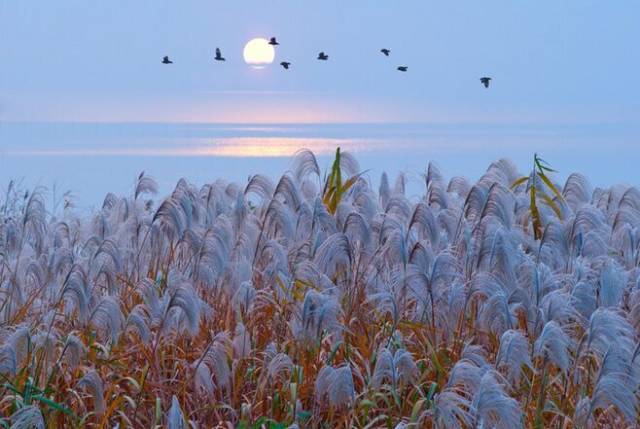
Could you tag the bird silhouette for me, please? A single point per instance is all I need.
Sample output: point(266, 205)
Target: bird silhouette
point(322, 56)
point(485, 81)
point(166, 60)
point(403, 68)
point(385, 51)
point(219, 56)
point(273, 41)
point(285, 64)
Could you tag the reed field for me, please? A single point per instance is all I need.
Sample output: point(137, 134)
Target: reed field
point(320, 301)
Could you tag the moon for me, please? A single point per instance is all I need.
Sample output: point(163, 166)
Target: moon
point(258, 53)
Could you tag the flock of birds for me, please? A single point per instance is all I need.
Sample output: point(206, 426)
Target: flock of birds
point(322, 56)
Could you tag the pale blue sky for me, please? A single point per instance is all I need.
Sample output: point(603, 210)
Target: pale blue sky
point(552, 61)
point(566, 83)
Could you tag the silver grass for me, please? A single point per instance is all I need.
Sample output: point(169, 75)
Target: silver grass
point(288, 191)
point(492, 407)
point(261, 186)
point(588, 218)
point(305, 164)
point(634, 304)
point(583, 298)
point(384, 190)
point(592, 245)
point(503, 171)
point(138, 321)
point(27, 417)
point(499, 205)
point(495, 314)
point(92, 382)
point(356, 229)
point(279, 367)
point(349, 164)
point(460, 186)
point(184, 298)
point(308, 272)
point(458, 250)
point(401, 181)
point(216, 358)
point(15, 348)
point(437, 196)
point(107, 317)
point(145, 185)
point(433, 175)
point(397, 369)
point(203, 379)
point(615, 387)
point(612, 284)
point(335, 386)
point(171, 218)
point(74, 292)
point(74, 350)
point(475, 202)
point(465, 373)
point(364, 199)
point(555, 345)
point(243, 299)
point(110, 201)
point(630, 199)
point(319, 313)
point(175, 418)
point(278, 220)
point(241, 342)
point(399, 207)
point(514, 355)
point(46, 341)
point(148, 291)
point(424, 219)
point(607, 328)
point(452, 410)
point(577, 191)
point(333, 253)
point(8, 360)
point(557, 306)
point(309, 189)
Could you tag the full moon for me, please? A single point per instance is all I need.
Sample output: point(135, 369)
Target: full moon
point(258, 52)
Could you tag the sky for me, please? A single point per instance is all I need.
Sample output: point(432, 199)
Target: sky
point(551, 61)
point(566, 82)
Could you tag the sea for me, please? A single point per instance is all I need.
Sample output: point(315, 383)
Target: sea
point(88, 160)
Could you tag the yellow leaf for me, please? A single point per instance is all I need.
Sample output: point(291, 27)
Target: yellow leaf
point(519, 182)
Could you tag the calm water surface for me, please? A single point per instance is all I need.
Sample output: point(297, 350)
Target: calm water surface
point(92, 159)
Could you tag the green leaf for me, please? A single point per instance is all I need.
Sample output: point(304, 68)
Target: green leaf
point(304, 415)
point(432, 391)
point(52, 404)
point(415, 412)
point(535, 214)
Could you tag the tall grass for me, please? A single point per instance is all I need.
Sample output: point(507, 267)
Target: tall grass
point(318, 301)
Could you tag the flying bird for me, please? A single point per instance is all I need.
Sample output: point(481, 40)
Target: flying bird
point(273, 41)
point(403, 68)
point(385, 51)
point(219, 56)
point(485, 81)
point(285, 64)
point(322, 56)
point(166, 60)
